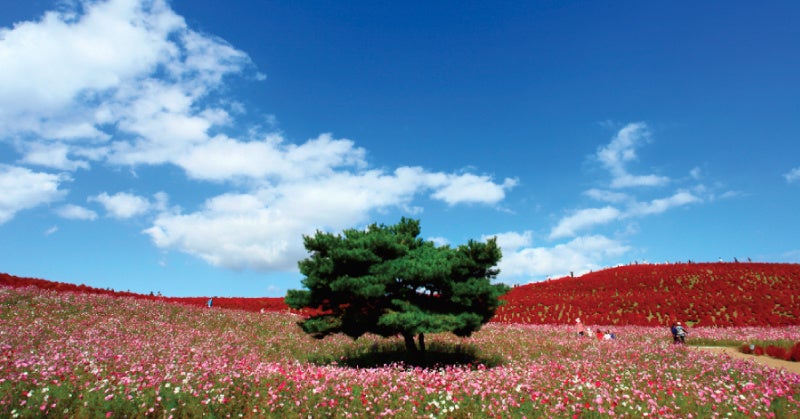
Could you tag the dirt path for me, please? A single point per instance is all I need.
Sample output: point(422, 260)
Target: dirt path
point(733, 352)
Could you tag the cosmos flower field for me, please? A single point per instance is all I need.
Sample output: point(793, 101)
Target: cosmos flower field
point(65, 354)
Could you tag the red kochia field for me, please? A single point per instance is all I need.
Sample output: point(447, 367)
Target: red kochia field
point(704, 294)
point(236, 303)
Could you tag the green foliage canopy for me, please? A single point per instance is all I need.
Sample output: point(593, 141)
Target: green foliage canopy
point(387, 281)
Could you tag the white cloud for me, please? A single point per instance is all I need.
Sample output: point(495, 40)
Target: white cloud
point(469, 188)
point(512, 240)
point(607, 196)
point(113, 43)
point(234, 231)
point(345, 199)
point(319, 156)
point(622, 150)
point(24, 189)
point(793, 175)
point(271, 158)
point(134, 87)
point(262, 229)
point(622, 147)
point(129, 71)
point(628, 181)
point(614, 156)
point(579, 255)
point(660, 205)
point(122, 204)
point(583, 219)
point(75, 212)
point(52, 155)
point(160, 202)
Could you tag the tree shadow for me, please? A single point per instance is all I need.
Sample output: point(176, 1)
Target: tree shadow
point(437, 355)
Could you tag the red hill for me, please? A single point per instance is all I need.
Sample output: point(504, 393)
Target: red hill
point(248, 304)
point(709, 294)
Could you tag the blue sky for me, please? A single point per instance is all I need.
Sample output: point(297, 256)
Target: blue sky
point(185, 146)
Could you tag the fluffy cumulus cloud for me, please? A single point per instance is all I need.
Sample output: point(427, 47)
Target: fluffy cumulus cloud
point(129, 87)
point(457, 189)
point(122, 204)
point(23, 189)
point(271, 157)
point(236, 232)
point(512, 240)
point(55, 155)
point(136, 86)
point(261, 229)
point(522, 261)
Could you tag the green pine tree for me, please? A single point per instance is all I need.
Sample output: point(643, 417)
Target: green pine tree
point(387, 281)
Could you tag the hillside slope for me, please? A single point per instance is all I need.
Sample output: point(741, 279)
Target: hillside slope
point(707, 294)
point(237, 303)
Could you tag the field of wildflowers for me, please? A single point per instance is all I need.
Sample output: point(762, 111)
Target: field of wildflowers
point(65, 354)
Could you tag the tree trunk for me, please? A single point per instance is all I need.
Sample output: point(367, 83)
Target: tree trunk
point(411, 347)
point(421, 339)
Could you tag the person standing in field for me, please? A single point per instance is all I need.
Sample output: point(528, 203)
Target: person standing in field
point(680, 332)
point(579, 327)
point(674, 330)
point(210, 302)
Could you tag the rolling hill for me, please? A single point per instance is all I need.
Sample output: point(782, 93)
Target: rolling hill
point(703, 294)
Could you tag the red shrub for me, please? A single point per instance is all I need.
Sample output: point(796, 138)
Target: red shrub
point(745, 349)
point(758, 351)
point(794, 353)
point(776, 352)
